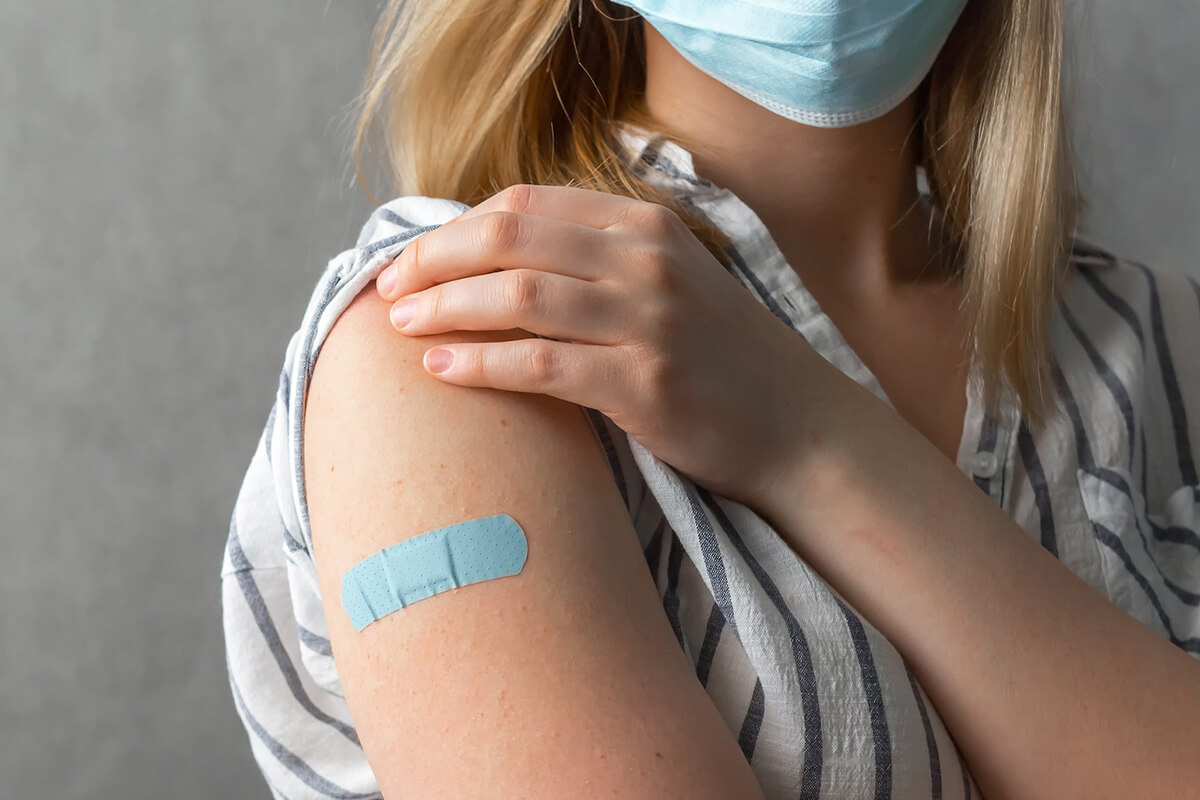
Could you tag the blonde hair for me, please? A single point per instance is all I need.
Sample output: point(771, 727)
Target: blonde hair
point(477, 95)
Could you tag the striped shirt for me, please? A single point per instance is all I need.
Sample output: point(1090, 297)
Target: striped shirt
point(820, 703)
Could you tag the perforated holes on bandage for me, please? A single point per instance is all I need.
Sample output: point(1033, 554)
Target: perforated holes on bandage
point(434, 562)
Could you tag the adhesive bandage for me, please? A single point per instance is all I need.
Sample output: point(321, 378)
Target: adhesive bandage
point(432, 563)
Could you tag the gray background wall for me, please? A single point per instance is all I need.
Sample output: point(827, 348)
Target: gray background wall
point(174, 178)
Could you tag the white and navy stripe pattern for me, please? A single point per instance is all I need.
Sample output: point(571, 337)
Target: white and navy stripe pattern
point(820, 703)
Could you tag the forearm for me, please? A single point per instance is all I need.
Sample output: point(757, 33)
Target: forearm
point(1049, 689)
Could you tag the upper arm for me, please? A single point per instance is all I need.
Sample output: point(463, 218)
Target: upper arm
point(562, 676)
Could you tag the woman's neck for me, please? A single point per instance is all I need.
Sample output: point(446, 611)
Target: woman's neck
point(841, 203)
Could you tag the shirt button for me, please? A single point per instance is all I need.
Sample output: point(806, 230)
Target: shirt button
point(986, 464)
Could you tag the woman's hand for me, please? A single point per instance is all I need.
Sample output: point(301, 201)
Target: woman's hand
point(657, 335)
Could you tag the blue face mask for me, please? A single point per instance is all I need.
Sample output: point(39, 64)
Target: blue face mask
point(827, 63)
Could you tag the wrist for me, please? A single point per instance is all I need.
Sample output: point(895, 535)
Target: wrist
point(809, 448)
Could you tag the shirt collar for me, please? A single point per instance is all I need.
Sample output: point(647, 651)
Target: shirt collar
point(662, 161)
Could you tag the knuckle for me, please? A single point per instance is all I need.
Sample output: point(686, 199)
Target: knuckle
point(657, 320)
point(501, 231)
point(649, 380)
point(543, 363)
point(434, 304)
point(659, 219)
point(518, 198)
point(408, 266)
point(626, 217)
point(659, 269)
point(655, 378)
point(524, 291)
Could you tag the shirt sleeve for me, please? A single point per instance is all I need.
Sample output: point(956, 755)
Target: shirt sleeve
point(282, 674)
point(298, 724)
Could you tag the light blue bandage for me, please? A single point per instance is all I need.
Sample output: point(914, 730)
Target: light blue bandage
point(434, 562)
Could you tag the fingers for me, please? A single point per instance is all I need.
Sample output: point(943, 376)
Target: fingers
point(589, 375)
point(500, 240)
point(571, 203)
point(544, 303)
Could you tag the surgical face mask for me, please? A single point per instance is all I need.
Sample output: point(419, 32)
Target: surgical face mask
point(827, 63)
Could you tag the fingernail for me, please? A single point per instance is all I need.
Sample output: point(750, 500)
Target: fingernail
point(402, 312)
point(438, 359)
point(386, 281)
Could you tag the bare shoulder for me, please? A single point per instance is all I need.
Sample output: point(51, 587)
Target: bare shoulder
point(563, 676)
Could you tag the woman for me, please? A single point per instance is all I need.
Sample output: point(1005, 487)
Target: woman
point(911, 465)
